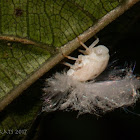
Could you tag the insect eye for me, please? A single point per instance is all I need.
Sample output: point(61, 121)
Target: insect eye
point(101, 50)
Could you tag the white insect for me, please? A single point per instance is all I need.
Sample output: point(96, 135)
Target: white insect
point(92, 64)
point(71, 89)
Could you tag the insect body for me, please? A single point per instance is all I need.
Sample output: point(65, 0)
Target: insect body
point(71, 90)
point(92, 64)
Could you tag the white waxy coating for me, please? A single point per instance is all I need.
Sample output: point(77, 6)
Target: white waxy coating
point(89, 66)
point(67, 91)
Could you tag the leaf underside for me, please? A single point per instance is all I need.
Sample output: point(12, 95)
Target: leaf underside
point(47, 25)
point(48, 22)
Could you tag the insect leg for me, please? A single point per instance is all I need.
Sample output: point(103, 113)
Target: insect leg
point(83, 52)
point(94, 43)
point(71, 58)
point(67, 64)
point(82, 44)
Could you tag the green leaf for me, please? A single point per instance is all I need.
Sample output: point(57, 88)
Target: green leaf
point(31, 34)
point(49, 21)
point(18, 62)
point(40, 27)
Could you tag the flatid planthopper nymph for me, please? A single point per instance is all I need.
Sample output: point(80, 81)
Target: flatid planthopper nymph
point(90, 65)
point(79, 88)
